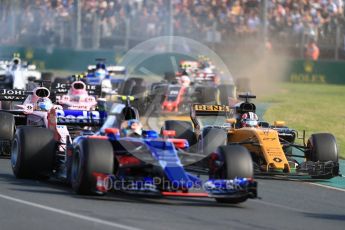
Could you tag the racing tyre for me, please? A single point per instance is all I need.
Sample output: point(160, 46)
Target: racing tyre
point(183, 129)
point(90, 156)
point(207, 95)
point(323, 148)
point(226, 92)
point(7, 126)
point(169, 76)
point(237, 163)
point(6, 105)
point(138, 81)
point(6, 132)
point(128, 87)
point(33, 152)
point(212, 138)
point(47, 76)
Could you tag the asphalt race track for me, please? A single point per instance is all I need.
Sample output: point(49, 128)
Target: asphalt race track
point(27, 204)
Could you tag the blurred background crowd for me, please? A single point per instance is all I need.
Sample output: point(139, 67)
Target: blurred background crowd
point(105, 24)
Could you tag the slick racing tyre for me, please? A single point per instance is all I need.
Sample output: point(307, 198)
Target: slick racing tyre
point(323, 148)
point(47, 76)
point(212, 138)
point(7, 126)
point(128, 87)
point(207, 95)
point(89, 157)
point(237, 163)
point(6, 105)
point(33, 152)
point(169, 76)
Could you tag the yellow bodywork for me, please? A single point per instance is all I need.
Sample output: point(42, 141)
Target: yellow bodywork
point(267, 146)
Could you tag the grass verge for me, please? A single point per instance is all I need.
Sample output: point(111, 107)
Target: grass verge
point(311, 107)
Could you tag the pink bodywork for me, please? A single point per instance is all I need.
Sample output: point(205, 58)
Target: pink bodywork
point(77, 98)
point(47, 119)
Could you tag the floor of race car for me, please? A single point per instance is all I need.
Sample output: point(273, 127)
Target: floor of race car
point(27, 204)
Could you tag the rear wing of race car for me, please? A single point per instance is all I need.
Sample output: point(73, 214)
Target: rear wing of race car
point(198, 110)
point(117, 70)
point(62, 88)
point(210, 110)
point(13, 95)
point(79, 117)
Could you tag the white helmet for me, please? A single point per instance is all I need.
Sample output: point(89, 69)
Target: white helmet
point(185, 80)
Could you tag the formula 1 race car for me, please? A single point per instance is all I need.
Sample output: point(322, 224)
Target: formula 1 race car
point(15, 74)
point(176, 98)
point(196, 82)
point(110, 78)
point(37, 110)
point(146, 164)
point(271, 146)
point(78, 96)
point(150, 164)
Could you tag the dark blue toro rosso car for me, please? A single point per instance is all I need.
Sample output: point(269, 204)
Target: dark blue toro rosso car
point(156, 164)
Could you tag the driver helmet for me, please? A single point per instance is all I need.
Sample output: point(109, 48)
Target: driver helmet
point(44, 104)
point(132, 127)
point(77, 88)
point(208, 70)
point(100, 73)
point(249, 119)
point(185, 80)
point(15, 63)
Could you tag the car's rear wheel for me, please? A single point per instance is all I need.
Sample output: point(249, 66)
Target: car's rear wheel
point(33, 152)
point(7, 128)
point(128, 87)
point(6, 105)
point(212, 138)
point(89, 157)
point(207, 95)
point(237, 163)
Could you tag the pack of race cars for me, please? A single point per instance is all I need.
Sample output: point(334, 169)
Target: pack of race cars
point(75, 132)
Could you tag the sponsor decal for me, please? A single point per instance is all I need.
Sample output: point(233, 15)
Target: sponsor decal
point(64, 87)
point(309, 75)
point(277, 159)
point(212, 108)
point(82, 117)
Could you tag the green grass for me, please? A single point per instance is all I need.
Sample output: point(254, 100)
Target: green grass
point(311, 107)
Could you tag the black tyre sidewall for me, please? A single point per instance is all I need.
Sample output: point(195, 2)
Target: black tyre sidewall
point(237, 162)
point(7, 126)
point(94, 156)
point(212, 138)
point(323, 147)
point(36, 152)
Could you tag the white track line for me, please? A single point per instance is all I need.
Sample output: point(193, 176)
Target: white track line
point(70, 214)
point(327, 186)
